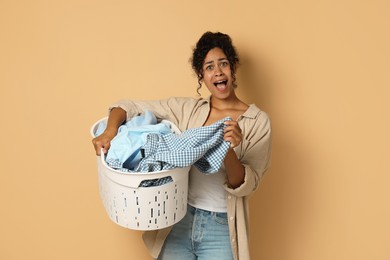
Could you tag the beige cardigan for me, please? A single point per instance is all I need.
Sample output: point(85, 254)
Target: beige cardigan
point(253, 152)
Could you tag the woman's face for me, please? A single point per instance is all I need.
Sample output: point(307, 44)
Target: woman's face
point(217, 74)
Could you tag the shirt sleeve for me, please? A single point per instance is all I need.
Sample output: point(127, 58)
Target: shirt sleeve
point(256, 155)
point(175, 109)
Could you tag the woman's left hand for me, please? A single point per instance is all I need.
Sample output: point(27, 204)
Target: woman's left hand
point(233, 133)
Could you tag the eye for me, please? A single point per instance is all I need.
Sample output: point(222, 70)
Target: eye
point(224, 64)
point(210, 67)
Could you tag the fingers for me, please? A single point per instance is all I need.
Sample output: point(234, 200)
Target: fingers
point(233, 133)
point(96, 145)
point(100, 143)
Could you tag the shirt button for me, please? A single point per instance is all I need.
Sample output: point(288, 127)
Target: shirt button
point(229, 197)
point(233, 240)
point(231, 218)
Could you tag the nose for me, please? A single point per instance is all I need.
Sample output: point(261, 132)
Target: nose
point(218, 71)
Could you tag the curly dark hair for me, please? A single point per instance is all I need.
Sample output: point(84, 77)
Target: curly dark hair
point(208, 41)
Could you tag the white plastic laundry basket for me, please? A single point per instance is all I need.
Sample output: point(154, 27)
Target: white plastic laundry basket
point(142, 208)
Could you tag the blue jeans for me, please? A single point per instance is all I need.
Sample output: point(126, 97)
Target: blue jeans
point(201, 235)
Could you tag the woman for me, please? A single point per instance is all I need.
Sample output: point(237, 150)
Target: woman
point(216, 223)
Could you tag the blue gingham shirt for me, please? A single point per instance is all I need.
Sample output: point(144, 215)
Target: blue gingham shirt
point(204, 147)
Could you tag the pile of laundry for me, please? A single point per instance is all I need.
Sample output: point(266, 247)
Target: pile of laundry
point(143, 144)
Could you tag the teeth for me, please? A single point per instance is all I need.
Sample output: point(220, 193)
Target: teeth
point(220, 82)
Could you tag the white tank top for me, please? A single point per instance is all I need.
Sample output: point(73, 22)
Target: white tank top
point(207, 191)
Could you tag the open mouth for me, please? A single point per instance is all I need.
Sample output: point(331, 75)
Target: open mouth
point(221, 85)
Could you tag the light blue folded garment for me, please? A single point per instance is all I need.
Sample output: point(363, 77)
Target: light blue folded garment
point(125, 148)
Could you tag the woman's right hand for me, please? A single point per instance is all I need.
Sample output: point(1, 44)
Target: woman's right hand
point(116, 118)
point(103, 141)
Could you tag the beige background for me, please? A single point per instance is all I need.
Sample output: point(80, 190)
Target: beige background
point(319, 68)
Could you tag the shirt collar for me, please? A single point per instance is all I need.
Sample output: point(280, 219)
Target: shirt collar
point(251, 112)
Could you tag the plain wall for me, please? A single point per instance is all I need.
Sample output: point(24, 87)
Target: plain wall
point(319, 68)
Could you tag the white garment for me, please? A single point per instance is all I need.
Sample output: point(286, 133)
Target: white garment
point(212, 195)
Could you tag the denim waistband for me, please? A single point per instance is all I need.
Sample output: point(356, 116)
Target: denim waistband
point(193, 209)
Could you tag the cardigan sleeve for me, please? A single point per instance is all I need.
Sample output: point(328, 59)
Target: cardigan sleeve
point(175, 109)
point(256, 153)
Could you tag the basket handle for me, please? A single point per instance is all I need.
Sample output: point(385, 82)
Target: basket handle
point(102, 156)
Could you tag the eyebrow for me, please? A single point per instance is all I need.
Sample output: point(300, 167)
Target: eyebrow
point(210, 62)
